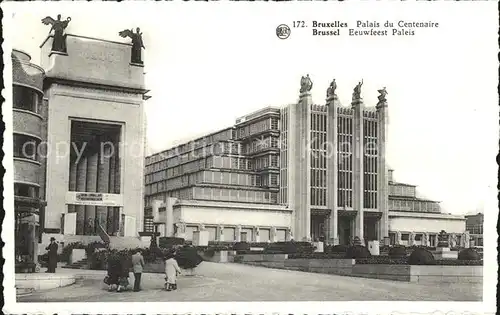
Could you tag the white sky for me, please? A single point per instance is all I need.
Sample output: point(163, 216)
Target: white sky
point(208, 64)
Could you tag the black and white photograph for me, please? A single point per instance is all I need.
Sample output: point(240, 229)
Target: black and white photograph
point(301, 157)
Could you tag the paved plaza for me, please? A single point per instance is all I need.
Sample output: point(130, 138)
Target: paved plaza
point(236, 282)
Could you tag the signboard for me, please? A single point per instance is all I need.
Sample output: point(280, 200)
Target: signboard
point(94, 199)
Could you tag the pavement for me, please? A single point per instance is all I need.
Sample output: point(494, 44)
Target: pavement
point(236, 282)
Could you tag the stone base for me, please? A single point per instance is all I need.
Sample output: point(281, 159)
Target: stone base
point(43, 281)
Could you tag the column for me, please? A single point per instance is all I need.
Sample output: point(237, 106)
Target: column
point(299, 166)
point(382, 171)
point(220, 233)
point(358, 172)
point(398, 238)
point(111, 219)
point(238, 234)
point(169, 224)
point(273, 236)
point(91, 187)
point(81, 184)
point(288, 235)
point(412, 239)
point(103, 183)
point(256, 234)
point(72, 181)
point(332, 103)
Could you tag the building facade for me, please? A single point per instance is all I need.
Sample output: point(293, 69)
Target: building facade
point(474, 225)
point(85, 118)
point(303, 171)
point(27, 86)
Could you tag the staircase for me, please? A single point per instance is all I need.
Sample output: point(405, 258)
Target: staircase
point(82, 264)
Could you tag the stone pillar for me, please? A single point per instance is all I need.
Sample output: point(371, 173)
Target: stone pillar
point(103, 183)
point(358, 172)
point(299, 162)
point(288, 235)
point(425, 239)
point(412, 239)
point(332, 103)
point(220, 233)
point(237, 233)
point(169, 216)
point(398, 238)
point(181, 230)
point(92, 169)
point(72, 181)
point(382, 171)
point(466, 239)
point(274, 234)
point(256, 233)
point(81, 184)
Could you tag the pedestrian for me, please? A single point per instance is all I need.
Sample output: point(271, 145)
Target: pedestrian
point(52, 248)
point(171, 271)
point(114, 271)
point(137, 265)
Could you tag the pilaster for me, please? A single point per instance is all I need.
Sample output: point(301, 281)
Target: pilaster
point(332, 103)
point(358, 172)
point(382, 171)
point(299, 166)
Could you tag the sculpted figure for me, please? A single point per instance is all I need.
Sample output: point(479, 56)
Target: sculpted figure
point(59, 42)
point(356, 95)
point(305, 84)
point(382, 97)
point(331, 89)
point(137, 44)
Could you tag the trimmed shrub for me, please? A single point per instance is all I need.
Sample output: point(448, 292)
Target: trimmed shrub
point(397, 251)
point(337, 249)
point(421, 256)
point(468, 254)
point(382, 260)
point(290, 248)
point(241, 246)
point(209, 252)
point(317, 256)
point(456, 262)
point(187, 257)
point(357, 251)
point(168, 242)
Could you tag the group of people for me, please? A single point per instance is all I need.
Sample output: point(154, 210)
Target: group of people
point(119, 270)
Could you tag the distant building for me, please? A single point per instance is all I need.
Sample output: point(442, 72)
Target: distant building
point(272, 176)
point(474, 225)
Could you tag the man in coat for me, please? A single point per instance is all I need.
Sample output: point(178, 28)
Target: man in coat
point(137, 265)
point(52, 248)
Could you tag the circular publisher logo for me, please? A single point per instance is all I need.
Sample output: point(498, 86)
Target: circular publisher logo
point(283, 31)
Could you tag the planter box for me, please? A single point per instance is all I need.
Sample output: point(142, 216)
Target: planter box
point(77, 255)
point(263, 257)
point(218, 257)
point(156, 267)
point(341, 267)
point(387, 272)
point(421, 274)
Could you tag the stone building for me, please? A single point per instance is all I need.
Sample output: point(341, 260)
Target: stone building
point(27, 86)
point(273, 176)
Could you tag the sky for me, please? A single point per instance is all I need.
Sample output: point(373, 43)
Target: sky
point(207, 64)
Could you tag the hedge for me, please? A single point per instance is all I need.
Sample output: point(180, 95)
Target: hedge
point(168, 242)
point(317, 256)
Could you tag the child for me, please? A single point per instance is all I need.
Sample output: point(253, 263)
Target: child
point(171, 271)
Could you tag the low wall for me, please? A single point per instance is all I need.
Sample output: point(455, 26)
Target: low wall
point(387, 272)
point(262, 257)
point(327, 266)
point(218, 257)
point(43, 281)
point(447, 274)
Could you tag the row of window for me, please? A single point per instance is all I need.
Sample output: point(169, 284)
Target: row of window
point(318, 196)
point(399, 190)
point(475, 229)
point(26, 147)
point(190, 146)
point(318, 122)
point(258, 127)
point(225, 194)
point(26, 190)
point(26, 99)
point(414, 205)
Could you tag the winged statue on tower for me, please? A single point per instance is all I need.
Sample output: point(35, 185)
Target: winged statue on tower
point(382, 97)
point(58, 26)
point(137, 44)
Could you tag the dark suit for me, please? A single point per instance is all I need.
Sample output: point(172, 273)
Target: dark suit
point(52, 264)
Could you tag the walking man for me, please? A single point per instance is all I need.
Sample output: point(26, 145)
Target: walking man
point(138, 265)
point(52, 253)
